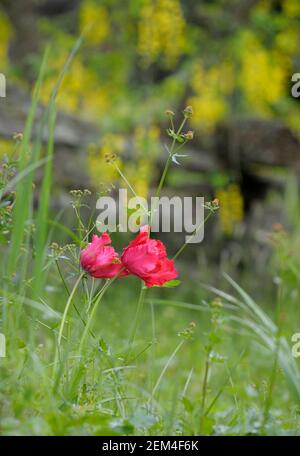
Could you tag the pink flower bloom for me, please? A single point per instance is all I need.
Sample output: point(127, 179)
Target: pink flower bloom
point(147, 259)
point(100, 260)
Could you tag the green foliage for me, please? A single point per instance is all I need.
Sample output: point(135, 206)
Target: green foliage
point(78, 364)
point(141, 56)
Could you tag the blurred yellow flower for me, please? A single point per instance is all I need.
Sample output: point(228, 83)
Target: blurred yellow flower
point(5, 35)
point(231, 207)
point(287, 41)
point(161, 31)
point(94, 22)
point(291, 8)
point(141, 168)
point(100, 170)
point(263, 75)
point(80, 90)
point(262, 6)
point(7, 147)
point(210, 87)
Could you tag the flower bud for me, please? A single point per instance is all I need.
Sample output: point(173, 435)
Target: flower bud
point(189, 135)
point(188, 112)
point(18, 136)
point(169, 113)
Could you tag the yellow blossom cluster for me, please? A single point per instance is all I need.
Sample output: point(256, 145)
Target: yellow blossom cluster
point(210, 87)
point(263, 75)
point(5, 35)
point(291, 8)
point(145, 150)
point(94, 22)
point(161, 31)
point(80, 90)
point(7, 147)
point(287, 41)
point(231, 207)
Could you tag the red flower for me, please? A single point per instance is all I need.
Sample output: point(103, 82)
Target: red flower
point(147, 259)
point(99, 260)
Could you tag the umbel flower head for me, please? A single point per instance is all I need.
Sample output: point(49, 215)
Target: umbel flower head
point(147, 259)
point(99, 260)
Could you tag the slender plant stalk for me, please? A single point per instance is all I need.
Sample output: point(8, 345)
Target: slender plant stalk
point(42, 215)
point(125, 179)
point(64, 317)
point(273, 376)
point(94, 309)
point(181, 249)
point(204, 389)
point(129, 185)
point(136, 318)
point(164, 370)
point(158, 192)
point(209, 408)
point(68, 292)
point(171, 153)
point(24, 187)
point(63, 321)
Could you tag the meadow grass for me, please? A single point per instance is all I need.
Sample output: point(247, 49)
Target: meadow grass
point(81, 360)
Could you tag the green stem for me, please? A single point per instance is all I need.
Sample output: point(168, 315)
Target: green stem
point(163, 176)
point(164, 370)
point(136, 318)
point(93, 312)
point(125, 179)
point(129, 186)
point(181, 249)
point(204, 388)
point(166, 168)
point(63, 320)
point(68, 292)
point(268, 401)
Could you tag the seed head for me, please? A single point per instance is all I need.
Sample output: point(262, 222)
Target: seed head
point(188, 112)
point(18, 137)
point(110, 157)
point(189, 135)
point(169, 113)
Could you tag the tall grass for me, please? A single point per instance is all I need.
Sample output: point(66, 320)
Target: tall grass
point(76, 368)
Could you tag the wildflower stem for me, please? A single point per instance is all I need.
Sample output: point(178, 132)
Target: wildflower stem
point(129, 185)
point(181, 249)
point(68, 292)
point(108, 283)
point(136, 318)
point(125, 179)
point(164, 370)
point(62, 277)
point(273, 376)
point(63, 321)
point(166, 168)
point(204, 388)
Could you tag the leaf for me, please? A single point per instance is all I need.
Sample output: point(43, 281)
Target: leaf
point(188, 405)
point(175, 156)
point(174, 135)
point(103, 346)
point(171, 284)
